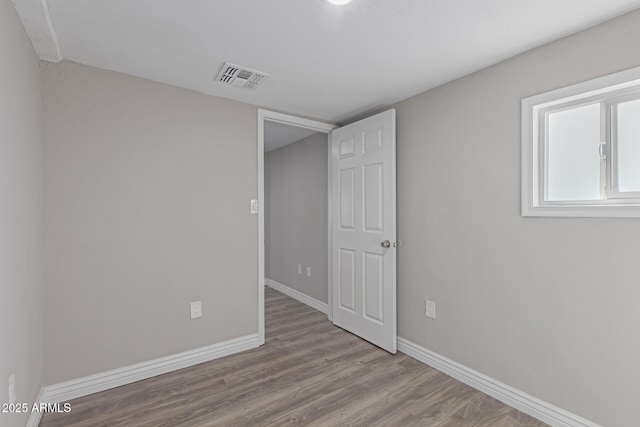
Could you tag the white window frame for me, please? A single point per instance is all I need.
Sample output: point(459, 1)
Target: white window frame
point(609, 91)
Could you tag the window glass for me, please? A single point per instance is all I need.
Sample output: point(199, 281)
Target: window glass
point(629, 146)
point(573, 160)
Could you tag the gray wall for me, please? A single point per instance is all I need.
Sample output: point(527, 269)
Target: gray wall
point(20, 215)
point(549, 306)
point(296, 215)
point(147, 191)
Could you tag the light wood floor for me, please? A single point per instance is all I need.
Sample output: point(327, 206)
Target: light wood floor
point(308, 373)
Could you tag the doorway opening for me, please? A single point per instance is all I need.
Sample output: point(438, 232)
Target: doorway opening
point(294, 205)
point(360, 233)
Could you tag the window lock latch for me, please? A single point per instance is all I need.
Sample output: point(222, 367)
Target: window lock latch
point(601, 150)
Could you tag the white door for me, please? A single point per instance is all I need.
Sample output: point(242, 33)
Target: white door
point(363, 177)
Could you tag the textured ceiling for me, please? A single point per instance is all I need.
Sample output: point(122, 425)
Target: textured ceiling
point(327, 62)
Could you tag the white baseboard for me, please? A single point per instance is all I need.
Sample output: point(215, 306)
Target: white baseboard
point(520, 400)
point(35, 416)
point(297, 295)
point(73, 389)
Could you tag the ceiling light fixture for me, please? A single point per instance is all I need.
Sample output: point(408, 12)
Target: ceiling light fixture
point(339, 2)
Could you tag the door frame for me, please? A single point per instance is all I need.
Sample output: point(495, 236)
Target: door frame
point(321, 127)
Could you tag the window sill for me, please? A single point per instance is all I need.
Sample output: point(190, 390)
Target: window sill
point(582, 211)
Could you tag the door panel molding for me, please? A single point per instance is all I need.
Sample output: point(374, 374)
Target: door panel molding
point(364, 216)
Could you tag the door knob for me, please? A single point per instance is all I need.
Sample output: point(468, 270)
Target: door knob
point(386, 244)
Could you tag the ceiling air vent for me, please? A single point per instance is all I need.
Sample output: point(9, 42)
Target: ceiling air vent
point(238, 76)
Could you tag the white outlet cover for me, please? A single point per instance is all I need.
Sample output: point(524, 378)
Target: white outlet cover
point(308, 271)
point(430, 309)
point(300, 269)
point(254, 206)
point(196, 309)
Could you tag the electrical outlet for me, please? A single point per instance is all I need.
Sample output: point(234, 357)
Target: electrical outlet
point(308, 271)
point(300, 269)
point(196, 309)
point(254, 206)
point(430, 309)
point(12, 389)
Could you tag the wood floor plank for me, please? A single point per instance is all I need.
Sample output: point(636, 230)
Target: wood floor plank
point(308, 373)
